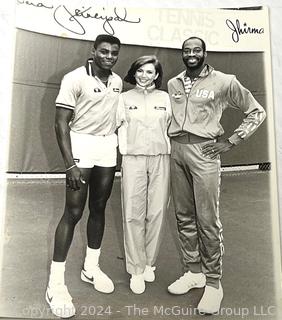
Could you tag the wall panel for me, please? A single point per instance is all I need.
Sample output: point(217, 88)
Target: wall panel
point(40, 63)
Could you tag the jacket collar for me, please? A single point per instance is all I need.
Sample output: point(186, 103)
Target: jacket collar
point(145, 90)
point(205, 72)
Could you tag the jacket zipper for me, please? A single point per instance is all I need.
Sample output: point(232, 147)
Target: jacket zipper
point(146, 116)
point(186, 107)
point(187, 101)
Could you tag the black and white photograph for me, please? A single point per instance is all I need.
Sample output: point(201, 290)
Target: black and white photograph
point(140, 167)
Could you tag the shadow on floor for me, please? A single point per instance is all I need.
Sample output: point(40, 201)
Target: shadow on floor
point(35, 207)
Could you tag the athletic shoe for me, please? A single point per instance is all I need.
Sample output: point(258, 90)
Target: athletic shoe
point(187, 282)
point(211, 300)
point(60, 301)
point(137, 283)
point(98, 278)
point(149, 274)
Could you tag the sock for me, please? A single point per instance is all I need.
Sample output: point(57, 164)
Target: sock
point(57, 273)
point(92, 258)
point(195, 268)
point(213, 282)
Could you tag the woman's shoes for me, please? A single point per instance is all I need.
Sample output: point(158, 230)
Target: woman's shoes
point(137, 282)
point(149, 274)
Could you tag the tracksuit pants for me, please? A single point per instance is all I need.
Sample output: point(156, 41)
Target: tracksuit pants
point(195, 190)
point(145, 198)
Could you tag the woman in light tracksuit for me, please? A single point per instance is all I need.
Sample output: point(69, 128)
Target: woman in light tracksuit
point(144, 114)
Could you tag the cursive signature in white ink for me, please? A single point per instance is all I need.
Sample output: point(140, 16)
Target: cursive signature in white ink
point(238, 30)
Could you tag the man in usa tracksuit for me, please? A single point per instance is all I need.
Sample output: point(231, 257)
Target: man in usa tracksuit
point(199, 95)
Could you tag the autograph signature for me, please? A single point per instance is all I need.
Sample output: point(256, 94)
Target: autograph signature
point(238, 30)
point(34, 4)
point(71, 20)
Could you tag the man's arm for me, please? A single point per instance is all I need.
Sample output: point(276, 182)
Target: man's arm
point(63, 117)
point(242, 99)
point(62, 120)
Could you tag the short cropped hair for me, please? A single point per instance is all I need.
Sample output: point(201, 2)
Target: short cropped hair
point(192, 38)
point(106, 38)
point(139, 62)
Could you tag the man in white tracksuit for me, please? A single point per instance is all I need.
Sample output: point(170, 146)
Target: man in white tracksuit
point(145, 148)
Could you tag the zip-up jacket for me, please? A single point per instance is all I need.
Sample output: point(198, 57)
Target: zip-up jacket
point(200, 111)
point(144, 116)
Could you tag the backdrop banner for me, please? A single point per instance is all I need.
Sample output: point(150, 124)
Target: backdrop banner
point(54, 37)
point(223, 30)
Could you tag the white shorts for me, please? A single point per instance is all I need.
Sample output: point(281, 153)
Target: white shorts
point(89, 150)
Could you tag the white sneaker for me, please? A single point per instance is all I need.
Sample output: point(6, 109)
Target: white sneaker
point(60, 301)
point(98, 278)
point(137, 283)
point(211, 300)
point(187, 282)
point(149, 274)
